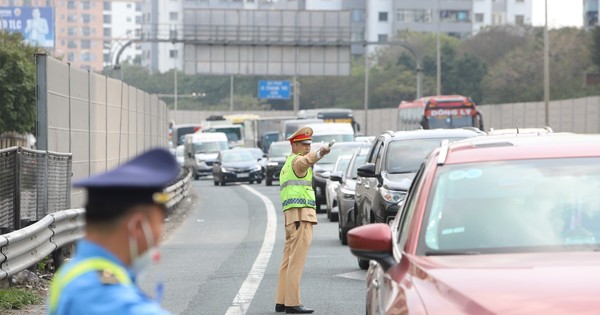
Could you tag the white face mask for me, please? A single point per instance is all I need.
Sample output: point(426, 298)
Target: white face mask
point(152, 255)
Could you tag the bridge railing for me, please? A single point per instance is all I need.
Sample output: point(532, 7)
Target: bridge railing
point(24, 248)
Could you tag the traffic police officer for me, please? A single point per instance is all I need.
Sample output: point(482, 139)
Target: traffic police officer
point(298, 199)
point(124, 218)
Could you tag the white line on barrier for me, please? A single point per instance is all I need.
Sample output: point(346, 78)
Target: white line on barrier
point(244, 297)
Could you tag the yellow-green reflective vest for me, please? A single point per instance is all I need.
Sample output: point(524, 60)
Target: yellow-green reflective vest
point(62, 279)
point(295, 192)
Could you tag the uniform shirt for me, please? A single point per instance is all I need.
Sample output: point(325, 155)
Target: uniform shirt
point(87, 294)
point(301, 166)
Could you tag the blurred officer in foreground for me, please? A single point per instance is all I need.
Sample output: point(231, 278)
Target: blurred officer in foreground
point(124, 219)
point(299, 204)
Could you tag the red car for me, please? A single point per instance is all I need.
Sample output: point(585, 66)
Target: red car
point(492, 225)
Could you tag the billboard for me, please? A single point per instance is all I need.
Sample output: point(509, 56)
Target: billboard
point(35, 23)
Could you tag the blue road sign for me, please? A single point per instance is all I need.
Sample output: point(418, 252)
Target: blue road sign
point(274, 89)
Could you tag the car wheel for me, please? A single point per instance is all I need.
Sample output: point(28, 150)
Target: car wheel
point(268, 181)
point(259, 181)
point(251, 182)
point(334, 216)
point(196, 176)
point(363, 264)
point(344, 237)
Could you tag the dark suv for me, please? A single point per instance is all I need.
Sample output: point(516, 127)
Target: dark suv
point(278, 152)
point(391, 164)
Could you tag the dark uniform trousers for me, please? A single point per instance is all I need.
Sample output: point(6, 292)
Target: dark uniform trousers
point(297, 243)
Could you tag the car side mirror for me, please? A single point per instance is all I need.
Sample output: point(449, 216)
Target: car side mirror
point(336, 177)
point(366, 170)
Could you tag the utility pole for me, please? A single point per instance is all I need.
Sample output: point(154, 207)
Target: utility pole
point(366, 130)
point(296, 99)
point(231, 94)
point(546, 68)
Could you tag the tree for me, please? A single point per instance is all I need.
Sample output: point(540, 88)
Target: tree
point(596, 47)
point(17, 84)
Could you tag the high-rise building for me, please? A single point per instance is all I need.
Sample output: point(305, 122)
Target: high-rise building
point(122, 22)
point(590, 13)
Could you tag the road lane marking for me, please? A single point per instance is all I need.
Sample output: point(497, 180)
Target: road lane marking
point(354, 275)
point(244, 297)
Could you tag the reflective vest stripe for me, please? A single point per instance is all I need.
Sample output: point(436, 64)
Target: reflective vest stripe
point(292, 201)
point(296, 183)
point(62, 279)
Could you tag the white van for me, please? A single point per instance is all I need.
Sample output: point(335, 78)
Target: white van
point(201, 150)
point(325, 132)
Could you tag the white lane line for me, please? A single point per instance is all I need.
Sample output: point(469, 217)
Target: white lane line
point(244, 297)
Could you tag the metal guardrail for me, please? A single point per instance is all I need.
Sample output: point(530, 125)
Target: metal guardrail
point(24, 248)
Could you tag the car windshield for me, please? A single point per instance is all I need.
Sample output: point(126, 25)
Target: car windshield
point(450, 122)
point(280, 150)
point(210, 146)
point(342, 163)
point(336, 151)
point(405, 156)
point(514, 206)
point(232, 133)
point(358, 161)
point(257, 153)
point(236, 156)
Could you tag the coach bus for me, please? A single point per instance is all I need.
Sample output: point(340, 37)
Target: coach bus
point(446, 111)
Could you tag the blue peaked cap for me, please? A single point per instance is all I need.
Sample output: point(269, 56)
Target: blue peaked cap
point(136, 182)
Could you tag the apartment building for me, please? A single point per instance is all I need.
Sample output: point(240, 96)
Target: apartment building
point(122, 22)
point(590, 13)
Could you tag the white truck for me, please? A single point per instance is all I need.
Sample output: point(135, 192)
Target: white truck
point(200, 151)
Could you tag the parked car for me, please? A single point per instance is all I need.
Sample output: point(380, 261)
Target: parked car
point(345, 193)
point(391, 164)
point(326, 165)
point(236, 166)
point(179, 155)
point(330, 186)
point(278, 152)
point(492, 225)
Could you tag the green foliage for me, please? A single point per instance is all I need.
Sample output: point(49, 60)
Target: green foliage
point(596, 47)
point(17, 84)
point(16, 299)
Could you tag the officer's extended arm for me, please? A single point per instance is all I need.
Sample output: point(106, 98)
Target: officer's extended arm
point(303, 163)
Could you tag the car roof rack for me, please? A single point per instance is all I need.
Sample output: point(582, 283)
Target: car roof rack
point(443, 152)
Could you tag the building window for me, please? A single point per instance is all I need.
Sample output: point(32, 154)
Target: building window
point(107, 58)
point(413, 16)
point(358, 15)
point(85, 18)
point(173, 16)
point(85, 31)
point(454, 16)
point(72, 31)
point(107, 32)
point(138, 20)
point(129, 6)
point(358, 36)
point(382, 38)
point(86, 43)
point(383, 16)
point(71, 56)
point(519, 19)
point(71, 5)
point(107, 19)
point(138, 6)
point(107, 5)
point(479, 17)
point(173, 34)
point(173, 53)
point(71, 44)
point(87, 56)
point(72, 18)
point(520, 1)
point(129, 19)
point(85, 5)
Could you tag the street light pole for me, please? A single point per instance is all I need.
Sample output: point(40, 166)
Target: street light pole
point(546, 68)
point(438, 53)
point(175, 78)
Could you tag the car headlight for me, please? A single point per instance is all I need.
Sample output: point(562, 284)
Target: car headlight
point(272, 164)
point(392, 196)
point(199, 161)
point(257, 168)
point(226, 170)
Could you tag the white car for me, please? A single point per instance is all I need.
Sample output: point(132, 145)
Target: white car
point(179, 155)
point(330, 186)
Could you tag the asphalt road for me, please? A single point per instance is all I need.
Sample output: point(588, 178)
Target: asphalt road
point(207, 259)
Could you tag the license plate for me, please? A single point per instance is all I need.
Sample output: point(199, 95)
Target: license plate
point(243, 175)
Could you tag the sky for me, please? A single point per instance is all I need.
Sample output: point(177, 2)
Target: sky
point(560, 13)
